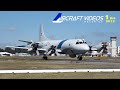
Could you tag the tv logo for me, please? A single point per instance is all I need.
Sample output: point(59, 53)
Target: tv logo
point(58, 18)
point(85, 19)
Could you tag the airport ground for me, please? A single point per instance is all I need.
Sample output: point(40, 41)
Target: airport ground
point(36, 63)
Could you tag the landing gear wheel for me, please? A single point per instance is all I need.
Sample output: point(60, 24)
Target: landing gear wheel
point(79, 57)
point(44, 57)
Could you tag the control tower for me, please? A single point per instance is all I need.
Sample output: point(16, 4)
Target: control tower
point(113, 46)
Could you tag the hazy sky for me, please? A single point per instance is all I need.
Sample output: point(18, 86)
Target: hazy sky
point(25, 25)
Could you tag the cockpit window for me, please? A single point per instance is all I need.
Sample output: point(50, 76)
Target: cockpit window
point(80, 42)
point(77, 42)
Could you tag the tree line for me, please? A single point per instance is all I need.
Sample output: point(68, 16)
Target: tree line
point(13, 51)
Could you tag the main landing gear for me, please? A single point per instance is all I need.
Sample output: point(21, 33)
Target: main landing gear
point(79, 57)
point(45, 57)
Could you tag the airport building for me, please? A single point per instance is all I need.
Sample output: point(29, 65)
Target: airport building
point(113, 46)
point(112, 49)
point(118, 50)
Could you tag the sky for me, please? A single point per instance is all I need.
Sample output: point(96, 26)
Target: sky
point(25, 25)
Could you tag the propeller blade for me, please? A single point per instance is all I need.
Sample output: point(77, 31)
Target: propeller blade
point(37, 52)
point(52, 50)
point(34, 48)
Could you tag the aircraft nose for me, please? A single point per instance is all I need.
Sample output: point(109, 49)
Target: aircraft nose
point(86, 48)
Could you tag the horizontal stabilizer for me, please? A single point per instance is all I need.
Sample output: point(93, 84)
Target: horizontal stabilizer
point(28, 42)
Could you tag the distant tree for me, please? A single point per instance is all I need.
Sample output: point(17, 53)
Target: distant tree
point(7, 49)
point(1, 50)
point(17, 50)
point(21, 50)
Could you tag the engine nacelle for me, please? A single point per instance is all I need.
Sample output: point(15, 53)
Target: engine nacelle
point(72, 55)
point(30, 49)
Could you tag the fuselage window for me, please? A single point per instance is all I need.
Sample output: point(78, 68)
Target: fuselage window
point(80, 42)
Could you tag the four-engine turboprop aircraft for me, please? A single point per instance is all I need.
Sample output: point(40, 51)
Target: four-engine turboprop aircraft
point(72, 47)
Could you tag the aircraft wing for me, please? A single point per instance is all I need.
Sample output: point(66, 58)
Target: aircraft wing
point(42, 50)
point(19, 47)
point(58, 50)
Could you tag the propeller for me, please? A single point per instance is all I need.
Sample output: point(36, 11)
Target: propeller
point(90, 50)
point(104, 47)
point(100, 48)
point(52, 50)
point(33, 47)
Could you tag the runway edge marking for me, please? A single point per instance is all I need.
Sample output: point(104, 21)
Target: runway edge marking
point(59, 70)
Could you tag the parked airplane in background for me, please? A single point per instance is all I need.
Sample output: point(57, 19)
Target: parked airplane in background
point(72, 47)
point(101, 47)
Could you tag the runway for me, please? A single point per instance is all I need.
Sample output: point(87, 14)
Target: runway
point(58, 63)
point(59, 70)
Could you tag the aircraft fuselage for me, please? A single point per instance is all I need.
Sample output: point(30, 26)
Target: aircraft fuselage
point(77, 46)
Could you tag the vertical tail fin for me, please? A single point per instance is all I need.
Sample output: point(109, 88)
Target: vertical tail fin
point(42, 35)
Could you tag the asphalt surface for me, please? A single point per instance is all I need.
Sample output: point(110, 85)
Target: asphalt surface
point(56, 62)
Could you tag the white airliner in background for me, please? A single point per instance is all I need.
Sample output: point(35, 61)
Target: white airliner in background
point(72, 47)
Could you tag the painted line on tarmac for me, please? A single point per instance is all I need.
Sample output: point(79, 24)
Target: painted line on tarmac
point(59, 70)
